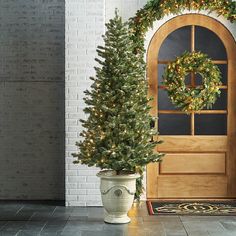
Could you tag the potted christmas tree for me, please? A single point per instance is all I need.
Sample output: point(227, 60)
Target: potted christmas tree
point(117, 133)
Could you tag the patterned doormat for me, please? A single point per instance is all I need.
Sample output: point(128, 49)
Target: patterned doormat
point(192, 208)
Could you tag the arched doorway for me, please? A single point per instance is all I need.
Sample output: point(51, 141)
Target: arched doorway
point(201, 147)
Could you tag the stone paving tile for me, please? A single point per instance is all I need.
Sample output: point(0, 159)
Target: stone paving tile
point(78, 218)
point(7, 215)
point(59, 216)
point(53, 227)
point(161, 219)
point(41, 216)
point(79, 211)
point(220, 234)
point(119, 229)
point(153, 228)
point(138, 220)
point(229, 225)
point(136, 232)
point(49, 220)
point(75, 226)
point(101, 233)
point(96, 213)
point(199, 233)
point(23, 215)
point(204, 228)
point(27, 233)
point(34, 225)
point(174, 228)
point(62, 209)
point(8, 233)
point(40, 208)
point(78, 233)
point(14, 225)
point(207, 218)
point(2, 223)
point(10, 206)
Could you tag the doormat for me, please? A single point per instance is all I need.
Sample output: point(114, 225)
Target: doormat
point(192, 208)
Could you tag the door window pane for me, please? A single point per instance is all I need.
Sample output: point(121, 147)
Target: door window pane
point(221, 102)
point(211, 124)
point(164, 102)
point(223, 70)
point(198, 79)
point(208, 42)
point(161, 68)
point(174, 124)
point(176, 43)
point(224, 73)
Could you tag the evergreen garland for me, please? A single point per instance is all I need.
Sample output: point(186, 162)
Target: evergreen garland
point(157, 9)
point(186, 98)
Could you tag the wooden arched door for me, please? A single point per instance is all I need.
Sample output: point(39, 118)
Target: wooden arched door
point(200, 148)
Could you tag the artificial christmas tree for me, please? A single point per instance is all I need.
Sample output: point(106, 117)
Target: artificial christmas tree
point(117, 134)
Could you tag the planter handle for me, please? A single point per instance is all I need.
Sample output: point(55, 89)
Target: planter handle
point(118, 191)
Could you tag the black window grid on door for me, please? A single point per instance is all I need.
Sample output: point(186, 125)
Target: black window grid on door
point(173, 121)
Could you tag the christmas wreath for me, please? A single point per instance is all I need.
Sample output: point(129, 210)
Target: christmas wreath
point(192, 98)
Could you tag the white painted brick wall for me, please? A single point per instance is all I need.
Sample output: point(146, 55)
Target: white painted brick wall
point(127, 8)
point(84, 27)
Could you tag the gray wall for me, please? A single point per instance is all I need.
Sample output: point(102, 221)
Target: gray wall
point(32, 99)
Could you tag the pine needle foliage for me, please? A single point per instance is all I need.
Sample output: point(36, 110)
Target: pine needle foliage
point(117, 133)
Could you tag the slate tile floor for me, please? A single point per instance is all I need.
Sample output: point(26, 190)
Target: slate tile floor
point(47, 218)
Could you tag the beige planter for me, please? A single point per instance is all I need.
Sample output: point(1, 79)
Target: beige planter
point(117, 195)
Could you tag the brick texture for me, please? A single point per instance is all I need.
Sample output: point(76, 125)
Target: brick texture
point(32, 68)
point(84, 27)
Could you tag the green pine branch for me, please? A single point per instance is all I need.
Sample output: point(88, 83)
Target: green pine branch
point(117, 133)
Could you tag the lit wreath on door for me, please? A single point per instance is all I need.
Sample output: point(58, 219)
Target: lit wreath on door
point(190, 99)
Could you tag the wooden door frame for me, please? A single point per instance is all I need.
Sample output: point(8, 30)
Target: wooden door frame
point(152, 75)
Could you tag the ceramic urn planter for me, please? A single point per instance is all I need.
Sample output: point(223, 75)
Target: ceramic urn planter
point(117, 195)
